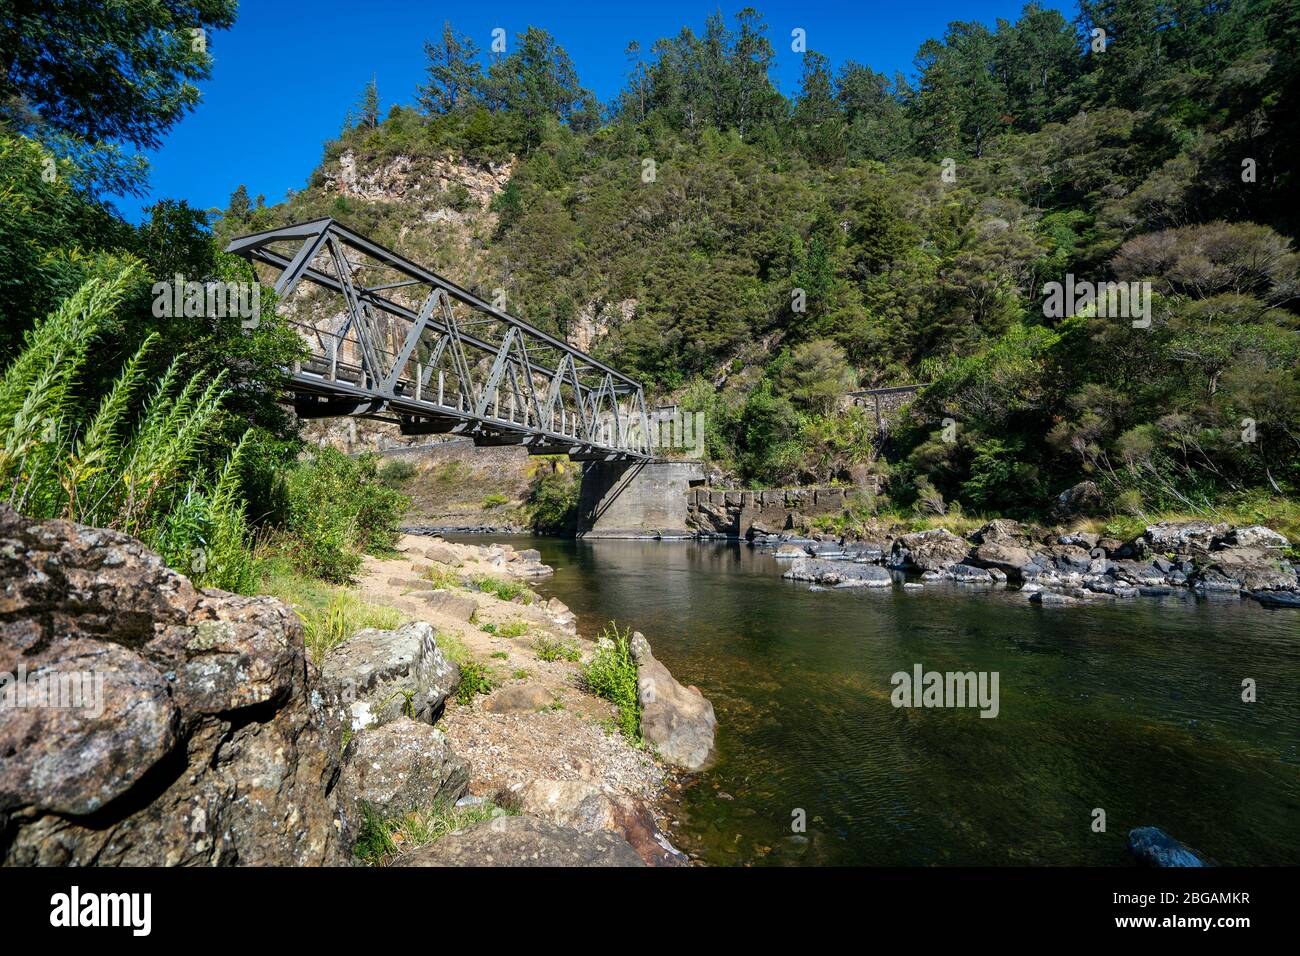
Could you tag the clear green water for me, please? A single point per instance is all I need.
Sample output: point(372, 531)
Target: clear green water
point(1134, 708)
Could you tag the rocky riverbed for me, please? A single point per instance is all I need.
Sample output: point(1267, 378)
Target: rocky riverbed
point(218, 740)
point(1055, 566)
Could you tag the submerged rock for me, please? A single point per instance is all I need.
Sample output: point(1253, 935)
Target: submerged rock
point(1154, 847)
point(204, 736)
point(677, 721)
point(839, 573)
point(524, 841)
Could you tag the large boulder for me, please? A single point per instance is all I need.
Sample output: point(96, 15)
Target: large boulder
point(935, 550)
point(591, 808)
point(1250, 569)
point(159, 724)
point(1002, 530)
point(677, 721)
point(524, 841)
point(1182, 537)
point(382, 675)
point(1011, 559)
point(1256, 536)
point(402, 766)
point(839, 573)
point(456, 605)
point(1084, 498)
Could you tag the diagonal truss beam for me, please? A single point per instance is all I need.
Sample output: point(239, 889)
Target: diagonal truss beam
point(400, 338)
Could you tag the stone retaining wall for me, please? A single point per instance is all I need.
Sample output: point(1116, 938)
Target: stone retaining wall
point(740, 514)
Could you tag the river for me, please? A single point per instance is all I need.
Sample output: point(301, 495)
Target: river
point(1133, 708)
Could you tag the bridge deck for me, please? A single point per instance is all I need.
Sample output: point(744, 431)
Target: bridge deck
point(407, 356)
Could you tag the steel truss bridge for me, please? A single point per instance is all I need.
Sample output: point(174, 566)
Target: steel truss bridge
point(411, 347)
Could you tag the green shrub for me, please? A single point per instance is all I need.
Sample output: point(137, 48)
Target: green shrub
point(338, 509)
point(515, 628)
point(494, 501)
point(395, 471)
point(612, 674)
point(328, 627)
point(552, 502)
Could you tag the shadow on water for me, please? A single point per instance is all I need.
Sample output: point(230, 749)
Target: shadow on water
point(1130, 707)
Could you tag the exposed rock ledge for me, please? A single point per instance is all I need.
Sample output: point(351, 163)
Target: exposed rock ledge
point(1060, 567)
point(215, 744)
point(215, 741)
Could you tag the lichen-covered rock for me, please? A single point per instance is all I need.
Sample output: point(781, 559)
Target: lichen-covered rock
point(1182, 537)
point(591, 808)
point(1250, 569)
point(382, 675)
point(935, 550)
point(402, 766)
point(202, 735)
point(524, 841)
point(1256, 536)
point(677, 721)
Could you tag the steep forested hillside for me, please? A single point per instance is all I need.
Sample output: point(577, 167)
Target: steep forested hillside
point(755, 255)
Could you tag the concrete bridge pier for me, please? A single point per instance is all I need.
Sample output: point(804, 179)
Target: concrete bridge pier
point(637, 499)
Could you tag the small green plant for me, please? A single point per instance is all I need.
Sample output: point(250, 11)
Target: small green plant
point(549, 649)
point(475, 679)
point(515, 628)
point(499, 655)
point(488, 628)
point(444, 579)
point(505, 590)
point(519, 674)
point(612, 674)
point(494, 501)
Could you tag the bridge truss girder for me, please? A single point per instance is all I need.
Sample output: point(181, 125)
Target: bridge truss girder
point(417, 363)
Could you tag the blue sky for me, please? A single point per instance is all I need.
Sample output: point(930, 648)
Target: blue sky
point(285, 75)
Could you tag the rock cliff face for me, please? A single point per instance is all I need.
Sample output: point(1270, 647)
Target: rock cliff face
point(188, 728)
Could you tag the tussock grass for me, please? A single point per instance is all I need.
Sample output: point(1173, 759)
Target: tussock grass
point(330, 615)
point(384, 837)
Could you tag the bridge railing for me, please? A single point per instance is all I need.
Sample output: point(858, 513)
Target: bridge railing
point(413, 347)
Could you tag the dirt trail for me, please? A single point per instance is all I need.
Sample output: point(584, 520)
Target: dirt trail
point(538, 723)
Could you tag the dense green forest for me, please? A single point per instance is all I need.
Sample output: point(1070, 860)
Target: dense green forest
point(866, 231)
point(872, 231)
